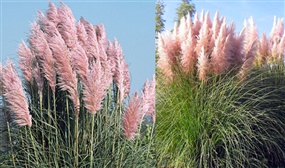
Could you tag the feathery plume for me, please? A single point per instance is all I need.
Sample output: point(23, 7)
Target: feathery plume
point(251, 36)
point(67, 77)
point(148, 99)
point(92, 51)
point(26, 59)
point(132, 117)
point(36, 72)
point(263, 49)
point(237, 49)
point(197, 25)
point(52, 13)
point(203, 65)
point(41, 49)
point(79, 61)
point(205, 35)
point(277, 30)
point(67, 26)
point(82, 36)
point(216, 25)
point(101, 35)
point(94, 90)
point(15, 96)
point(221, 52)
point(121, 72)
point(188, 54)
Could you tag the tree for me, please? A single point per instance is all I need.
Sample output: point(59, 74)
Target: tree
point(185, 8)
point(159, 21)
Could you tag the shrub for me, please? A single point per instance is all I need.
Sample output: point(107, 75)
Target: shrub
point(74, 100)
point(220, 95)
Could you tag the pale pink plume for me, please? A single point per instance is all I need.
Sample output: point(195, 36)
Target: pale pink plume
point(188, 54)
point(250, 47)
point(281, 48)
point(277, 30)
point(47, 26)
point(203, 65)
point(251, 37)
point(205, 34)
point(92, 51)
point(82, 36)
point(79, 61)
point(183, 29)
point(101, 35)
point(132, 117)
point(121, 72)
point(67, 26)
point(52, 13)
point(216, 25)
point(41, 48)
point(111, 53)
point(36, 72)
point(67, 77)
point(94, 88)
point(15, 96)
point(263, 49)
point(107, 65)
point(237, 49)
point(164, 62)
point(25, 61)
point(221, 55)
point(148, 99)
point(196, 25)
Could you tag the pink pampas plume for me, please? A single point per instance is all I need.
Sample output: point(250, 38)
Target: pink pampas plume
point(277, 30)
point(203, 65)
point(164, 63)
point(251, 37)
point(67, 26)
point(47, 26)
point(237, 49)
point(67, 77)
point(281, 48)
point(94, 88)
point(196, 25)
point(52, 13)
point(263, 49)
point(169, 49)
point(101, 35)
point(92, 51)
point(79, 61)
point(121, 72)
point(26, 60)
point(148, 99)
point(205, 34)
point(188, 54)
point(15, 96)
point(132, 117)
point(184, 27)
point(82, 36)
point(221, 55)
point(36, 72)
point(111, 53)
point(216, 25)
point(41, 48)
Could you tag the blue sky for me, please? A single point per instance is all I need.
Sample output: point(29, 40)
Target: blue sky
point(131, 22)
point(262, 11)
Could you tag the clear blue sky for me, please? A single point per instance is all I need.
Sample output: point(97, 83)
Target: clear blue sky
point(130, 21)
point(262, 11)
